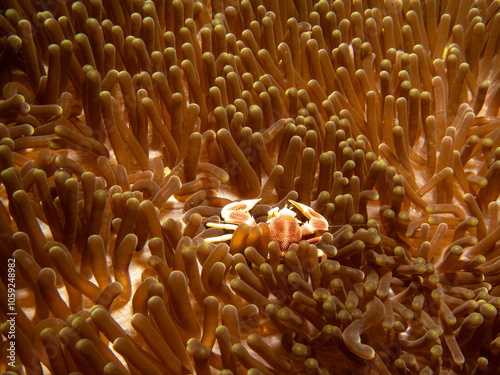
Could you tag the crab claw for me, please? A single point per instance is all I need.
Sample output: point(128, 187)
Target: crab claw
point(316, 223)
point(237, 212)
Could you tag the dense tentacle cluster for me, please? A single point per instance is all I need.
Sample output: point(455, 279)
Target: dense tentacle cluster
point(126, 126)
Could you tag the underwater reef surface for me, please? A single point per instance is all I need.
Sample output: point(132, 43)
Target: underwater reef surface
point(127, 127)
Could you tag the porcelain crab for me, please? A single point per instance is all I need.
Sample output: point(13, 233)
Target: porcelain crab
point(284, 227)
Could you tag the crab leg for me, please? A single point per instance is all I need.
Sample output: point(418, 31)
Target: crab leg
point(316, 223)
point(222, 226)
point(224, 237)
point(234, 214)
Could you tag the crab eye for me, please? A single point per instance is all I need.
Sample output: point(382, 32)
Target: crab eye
point(272, 213)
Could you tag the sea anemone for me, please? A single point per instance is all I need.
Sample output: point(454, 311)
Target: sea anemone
point(126, 127)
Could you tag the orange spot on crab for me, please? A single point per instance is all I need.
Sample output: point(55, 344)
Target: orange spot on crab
point(284, 227)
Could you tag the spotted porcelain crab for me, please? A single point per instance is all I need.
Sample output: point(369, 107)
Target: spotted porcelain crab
point(284, 227)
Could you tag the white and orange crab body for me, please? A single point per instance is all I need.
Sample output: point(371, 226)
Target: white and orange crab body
point(284, 227)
